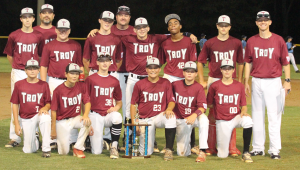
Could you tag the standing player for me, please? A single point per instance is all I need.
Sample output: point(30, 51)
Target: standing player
point(22, 45)
point(155, 101)
point(244, 43)
point(202, 41)
point(215, 50)
point(31, 102)
point(290, 48)
point(66, 110)
point(266, 54)
point(189, 110)
point(228, 100)
point(103, 90)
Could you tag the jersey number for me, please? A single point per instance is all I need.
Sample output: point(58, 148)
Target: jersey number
point(157, 107)
point(77, 109)
point(37, 108)
point(233, 110)
point(188, 111)
point(180, 65)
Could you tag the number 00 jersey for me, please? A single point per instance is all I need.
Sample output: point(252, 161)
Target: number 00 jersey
point(152, 98)
point(226, 99)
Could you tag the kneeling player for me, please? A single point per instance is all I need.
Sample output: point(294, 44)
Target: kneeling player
point(31, 99)
point(103, 89)
point(66, 109)
point(226, 96)
point(155, 101)
point(189, 110)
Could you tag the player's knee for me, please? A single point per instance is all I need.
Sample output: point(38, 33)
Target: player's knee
point(117, 118)
point(45, 118)
point(171, 122)
point(247, 122)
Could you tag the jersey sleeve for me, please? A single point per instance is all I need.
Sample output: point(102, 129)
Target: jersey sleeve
point(135, 95)
point(119, 51)
point(41, 45)
point(55, 100)
point(243, 101)
point(87, 85)
point(15, 97)
point(284, 56)
point(193, 52)
point(162, 37)
point(47, 94)
point(87, 51)
point(201, 99)
point(45, 56)
point(210, 95)
point(117, 92)
point(161, 55)
point(240, 58)
point(248, 54)
point(170, 96)
point(79, 55)
point(85, 95)
point(9, 48)
point(203, 54)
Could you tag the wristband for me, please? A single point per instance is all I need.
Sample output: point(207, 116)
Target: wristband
point(198, 112)
point(81, 77)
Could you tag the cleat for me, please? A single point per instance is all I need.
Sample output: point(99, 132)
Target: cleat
point(78, 153)
point(53, 145)
point(195, 150)
point(155, 150)
point(114, 154)
point(246, 157)
point(11, 144)
point(233, 153)
point(87, 144)
point(255, 153)
point(72, 145)
point(201, 157)
point(168, 155)
point(275, 156)
point(106, 145)
point(210, 152)
point(163, 151)
point(297, 71)
point(46, 154)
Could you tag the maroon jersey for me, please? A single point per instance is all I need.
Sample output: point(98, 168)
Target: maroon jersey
point(24, 46)
point(109, 43)
point(102, 90)
point(152, 98)
point(188, 98)
point(48, 34)
point(176, 54)
point(138, 51)
point(226, 99)
point(216, 50)
point(67, 101)
point(57, 55)
point(266, 55)
point(31, 97)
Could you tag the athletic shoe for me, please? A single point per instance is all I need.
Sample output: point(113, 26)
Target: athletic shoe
point(210, 152)
point(87, 144)
point(195, 150)
point(255, 153)
point(247, 157)
point(297, 71)
point(114, 154)
point(72, 145)
point(275, 156)
point(201, 157)
point(155, 150)
point(123, 148)
point(233, 153)
point(53, 145)
point(46, 154)
point(12, 144)
point(78, 153)
point(164, 150)
point(168, 155)
point(106, 145)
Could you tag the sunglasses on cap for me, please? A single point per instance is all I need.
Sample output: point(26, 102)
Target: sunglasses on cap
point(108, 20)
point(104, 57)
point(263, 15)
point(126, 9)
point(138, 27)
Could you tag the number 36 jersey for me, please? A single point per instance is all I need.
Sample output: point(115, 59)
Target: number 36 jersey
point(226, 99)
point(152, 98)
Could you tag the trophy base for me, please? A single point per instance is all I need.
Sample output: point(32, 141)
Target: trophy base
point(136, 157)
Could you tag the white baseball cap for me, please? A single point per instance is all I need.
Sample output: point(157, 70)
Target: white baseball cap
point(224, 19)
point(32, 63)
point(171, 16)
point(63, 23)
point(103, 54)
point(227, 62)
point(73, 67)
point(27, 10)
point(263, 14)
point(47, 6)
point(190, 65)
point(141, 21)
point(153, 61)
point(108, 15)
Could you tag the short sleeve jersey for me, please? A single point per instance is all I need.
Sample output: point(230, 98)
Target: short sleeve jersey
point(31, 97)
point(109, 43)
point(226, 99)
point(24, 46)
point(67, 101)
point(202, 41)
point(57, 55)
point(266, 55)
point(102, 91)
point(176, 54)
point(216, 50)
point(188, 98)
point(48, 34)
point(152, 98)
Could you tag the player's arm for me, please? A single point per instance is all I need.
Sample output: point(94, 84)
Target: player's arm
point(117, 107)
point(119, 63)
point(53, 124)
point(200, 75)
point(86, 64)
point(248, 67)
point(15, 108)
point(287, 73)
point(85, 118)
point(240, 72)
point(132, 112)
point(10, 59)
point(191, 119)
point(45, 109)
point(92, 33)
point(169, 111)
point(44, 73)
point(244, 111)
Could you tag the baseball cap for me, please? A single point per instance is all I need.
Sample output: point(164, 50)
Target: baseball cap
point(32, 63)
point(263, 14)
point(288, 37)
point(27, 10)
point(103, 55)
point(202, 35)
point(244, 36)
point(123, 10)
point(47, 6)
point(107, 15)
point(227, 62)
point(153, 61)
point(63, 23)
point(190, 65)
point(73, 67)
point(171, 16)
point(141, 21)
point(224, 19)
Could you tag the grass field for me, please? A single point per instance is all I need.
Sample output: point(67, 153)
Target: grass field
point(14, 158)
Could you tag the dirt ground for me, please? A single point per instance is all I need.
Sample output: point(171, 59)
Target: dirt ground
point(291, 100)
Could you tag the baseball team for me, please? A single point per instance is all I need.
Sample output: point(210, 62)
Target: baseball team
point(52, 97)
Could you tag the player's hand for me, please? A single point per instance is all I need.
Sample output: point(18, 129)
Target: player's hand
point(53, 134)
point(245, 114)
point(18, 130)
point(112, 109)
point(204, 84)
point(247, 89)
point(191, 119)
point(86, 120)
point(92, 33)
point(43, 111)
point(194, 39)
point(287, 87)
point(169, 114)
point(91, 132)
point(138, 131)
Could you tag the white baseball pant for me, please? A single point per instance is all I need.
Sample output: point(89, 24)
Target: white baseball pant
point(183, 134)
point(292, 59)
point(63, 132)
point(244, 53)
point(98, 123)
point(211, 80)
point(172, 78)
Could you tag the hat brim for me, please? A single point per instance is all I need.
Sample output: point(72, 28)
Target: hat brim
point(141, 25)
point(79, 71)
point(154, 65)
point(263, 17)
point(223, 23)
point(27, 14)
point(227, 65)
point(187, 68)
point(49, 9)
point(32, 66)
point(123, 12)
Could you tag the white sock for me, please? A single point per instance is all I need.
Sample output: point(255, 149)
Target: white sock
point(114, 144)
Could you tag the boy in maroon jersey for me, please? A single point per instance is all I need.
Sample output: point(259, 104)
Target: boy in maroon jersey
point(189, 109)
point(155, 101)
point(22, 45)
point(103, 90)
point(228, 100)
point(217, 49)
point(66, 110)
point(31, 102)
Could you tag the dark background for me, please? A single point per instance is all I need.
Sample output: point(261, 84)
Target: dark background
point(198, 16)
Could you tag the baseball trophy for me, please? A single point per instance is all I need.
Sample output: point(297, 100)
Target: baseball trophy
point(135, 139)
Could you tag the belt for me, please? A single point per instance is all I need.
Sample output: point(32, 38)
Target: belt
point(59, 78)
point(137, 76)
point(111, 72)
point(122, 71)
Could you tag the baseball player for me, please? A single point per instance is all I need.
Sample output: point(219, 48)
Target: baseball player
point(103, 90)
point(266, 54)
point(189, 110)
point(155, 101)
point(66, 109)
point(22, 45)
point(215, 50)
point(31, 102)
point(290, 48)
point(228, 100)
